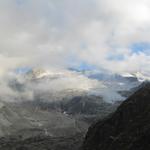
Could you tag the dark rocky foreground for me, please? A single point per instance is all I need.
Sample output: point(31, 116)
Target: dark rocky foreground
point(42, 143)
point(126, 129)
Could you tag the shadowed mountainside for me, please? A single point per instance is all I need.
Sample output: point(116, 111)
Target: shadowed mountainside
point(126, 129)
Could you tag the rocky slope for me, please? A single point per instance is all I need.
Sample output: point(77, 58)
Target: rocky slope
point(56, 118)
point(126, 129)
point(42, 143)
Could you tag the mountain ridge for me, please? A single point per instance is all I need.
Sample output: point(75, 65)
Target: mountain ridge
point(127, 128)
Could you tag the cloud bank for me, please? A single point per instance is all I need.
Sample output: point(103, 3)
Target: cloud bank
point(64, 33)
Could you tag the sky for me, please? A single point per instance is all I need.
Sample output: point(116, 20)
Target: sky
point(110, 34)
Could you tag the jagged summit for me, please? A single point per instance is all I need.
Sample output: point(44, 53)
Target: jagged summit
point(127, 129)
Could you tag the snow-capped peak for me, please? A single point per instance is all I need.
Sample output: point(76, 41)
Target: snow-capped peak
point(61, 79)
point(141, 77)
point(40, 73)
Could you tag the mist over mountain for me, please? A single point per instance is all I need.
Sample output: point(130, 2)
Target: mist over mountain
point(57, 103)
point(66, 65)
point(57, 83)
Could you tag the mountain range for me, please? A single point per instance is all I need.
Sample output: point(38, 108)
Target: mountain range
point(57, 105)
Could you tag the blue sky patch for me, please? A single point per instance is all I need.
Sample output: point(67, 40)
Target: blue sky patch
point(86, 66)
point(113, 57)
point(22, 70)
point(140, 47)
point(83, 66)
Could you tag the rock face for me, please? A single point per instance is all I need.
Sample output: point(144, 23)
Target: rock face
point(126, 129)
point(42, 143)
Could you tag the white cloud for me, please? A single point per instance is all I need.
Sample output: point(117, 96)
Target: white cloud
point(49, 33)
